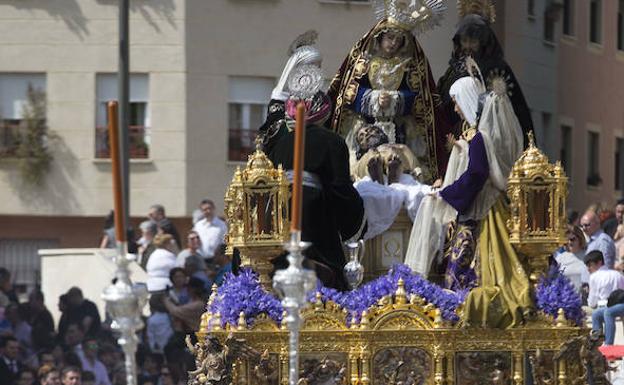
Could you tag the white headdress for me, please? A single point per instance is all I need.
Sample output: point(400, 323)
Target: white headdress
point(466, 93)
point(417, 16)
point(301, 52)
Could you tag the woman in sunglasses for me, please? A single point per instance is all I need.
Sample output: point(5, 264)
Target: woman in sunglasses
point(571, 262)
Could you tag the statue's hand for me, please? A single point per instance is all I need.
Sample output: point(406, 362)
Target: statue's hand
point(437, 183)
point(384, 100)
point(450, 141)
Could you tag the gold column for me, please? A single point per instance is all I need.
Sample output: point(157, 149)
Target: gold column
point(562, 378)
point(518, 368)
point(365, 359)
point(283, 366)
point(450, 368)
point(353, 361)
point(438, 357)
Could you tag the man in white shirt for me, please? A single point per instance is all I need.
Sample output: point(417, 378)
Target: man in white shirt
point(598, 239)
point(602, 282)
point(211, 229)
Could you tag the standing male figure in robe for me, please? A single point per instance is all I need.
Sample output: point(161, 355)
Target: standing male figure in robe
point(333, 211)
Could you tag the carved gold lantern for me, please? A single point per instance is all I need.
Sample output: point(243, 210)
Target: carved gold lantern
point(537, 190)
point(256, 206)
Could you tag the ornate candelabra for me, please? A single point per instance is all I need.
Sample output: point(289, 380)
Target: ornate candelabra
point(256, 206)
point(124, 302)
point(292, 284)
point(537, 190)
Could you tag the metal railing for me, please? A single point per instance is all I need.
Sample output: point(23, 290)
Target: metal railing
point(241, 143)
point(139, 149)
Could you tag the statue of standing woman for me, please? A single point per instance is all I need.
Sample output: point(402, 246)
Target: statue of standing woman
point(386, 81)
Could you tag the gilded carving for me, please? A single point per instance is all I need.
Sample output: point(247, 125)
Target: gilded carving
point(477, 368)
point(401, 365)
point(323, 369)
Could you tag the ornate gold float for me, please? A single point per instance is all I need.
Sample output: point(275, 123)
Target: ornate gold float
point(402, 339)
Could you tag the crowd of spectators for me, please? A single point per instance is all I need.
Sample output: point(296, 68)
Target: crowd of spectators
point(82, 349)
point(593, 259)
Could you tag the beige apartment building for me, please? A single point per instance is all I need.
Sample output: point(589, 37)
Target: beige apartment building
point(202, 72)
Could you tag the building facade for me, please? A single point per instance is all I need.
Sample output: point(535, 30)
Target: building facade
point(590, 128)
point(201, 75)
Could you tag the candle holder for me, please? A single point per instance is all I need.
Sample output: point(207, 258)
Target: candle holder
point(256, 207)
point(292, 285)
point(124, 302)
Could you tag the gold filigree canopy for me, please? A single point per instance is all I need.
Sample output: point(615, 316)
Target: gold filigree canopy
point(256, 206)
point(483, 8)
point(417, 16)
point(538, 191)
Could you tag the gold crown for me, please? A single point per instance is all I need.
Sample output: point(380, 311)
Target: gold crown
point(483, 8)
point(412, 15)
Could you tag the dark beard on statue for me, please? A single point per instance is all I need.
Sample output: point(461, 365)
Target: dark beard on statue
point(372, 141)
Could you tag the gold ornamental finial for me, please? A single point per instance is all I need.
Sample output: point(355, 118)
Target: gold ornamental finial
point(532, 160)
point(531, 139)
point(561, 320)
point(400, 296)
point(364, 322)
point(242, 321)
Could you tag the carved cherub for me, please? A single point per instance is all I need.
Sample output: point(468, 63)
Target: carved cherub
point(265, 371)
point(214, 360)
point(325, 372)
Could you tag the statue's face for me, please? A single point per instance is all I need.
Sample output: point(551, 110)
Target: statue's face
point(369, 137)
point(391, 42)
point(469, 45)
point(458, 109)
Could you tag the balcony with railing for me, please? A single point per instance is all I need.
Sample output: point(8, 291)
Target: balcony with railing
point(241, 143)
point(138, 147)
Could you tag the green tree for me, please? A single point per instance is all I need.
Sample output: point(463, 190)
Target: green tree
point(32, 150)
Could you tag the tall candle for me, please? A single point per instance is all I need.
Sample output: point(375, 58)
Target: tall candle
point(295, 224)
point(113, 142)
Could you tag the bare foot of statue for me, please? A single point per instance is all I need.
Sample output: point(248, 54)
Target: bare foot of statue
point(375, 169)
point(394, 170)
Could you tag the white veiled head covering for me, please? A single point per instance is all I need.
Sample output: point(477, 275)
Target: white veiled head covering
point(303, 55)
point(466, 93)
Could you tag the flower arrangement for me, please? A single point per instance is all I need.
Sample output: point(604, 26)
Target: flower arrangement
point(555, 291)
point(356, 301)
point(243, 293)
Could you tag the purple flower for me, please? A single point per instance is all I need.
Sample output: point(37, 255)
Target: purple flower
point(554, 292)
point(243, 293)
